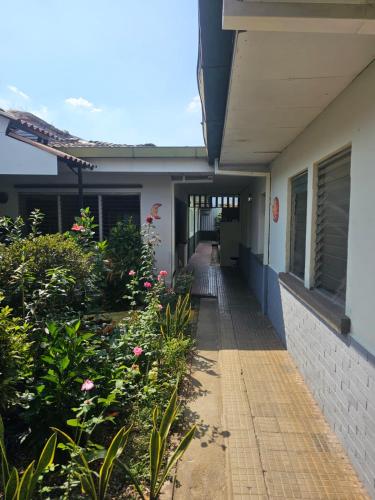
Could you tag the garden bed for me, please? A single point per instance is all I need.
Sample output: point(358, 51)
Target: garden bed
point(95, 394)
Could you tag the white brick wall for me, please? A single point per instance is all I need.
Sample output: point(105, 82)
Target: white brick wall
point(342, 380)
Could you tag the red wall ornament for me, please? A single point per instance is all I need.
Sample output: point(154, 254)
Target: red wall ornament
point(275, 209)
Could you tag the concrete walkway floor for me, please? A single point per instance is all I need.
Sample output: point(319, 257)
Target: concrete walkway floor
point(260, 433)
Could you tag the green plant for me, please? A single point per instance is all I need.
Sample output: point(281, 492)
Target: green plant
point(15, 355)
point(174, 353)
point(123, 255)
point(16, 487)
point(65, 361)
point(159, 465)
point(183, 282)
point(11, 230)
point(35, 220)
point(95, 484)
point(175, 323)
point(25, 265)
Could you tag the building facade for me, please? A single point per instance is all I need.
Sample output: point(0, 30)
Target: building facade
point(294, 96)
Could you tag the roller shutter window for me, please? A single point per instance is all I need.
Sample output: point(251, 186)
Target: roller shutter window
point(332, 225)
point(120, 208)
point(46, 204)
point(298, 225)
point(70, 208)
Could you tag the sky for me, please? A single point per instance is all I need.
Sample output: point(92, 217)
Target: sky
point(122, 71)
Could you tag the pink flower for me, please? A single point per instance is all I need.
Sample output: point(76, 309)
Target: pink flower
point(132, 273)
point(77, 227)
point(163, 273)
point(147, 284)
point(137, 351)
point(149, 219)
point(160, 307)
point(87, 385)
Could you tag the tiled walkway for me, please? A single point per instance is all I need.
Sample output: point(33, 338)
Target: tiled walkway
point(260, 433)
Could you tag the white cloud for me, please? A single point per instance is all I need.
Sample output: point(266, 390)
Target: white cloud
point(194, 105)
point(81, 102)
point(18, 92)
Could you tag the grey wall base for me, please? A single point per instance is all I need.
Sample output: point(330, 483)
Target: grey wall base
point(255, 274)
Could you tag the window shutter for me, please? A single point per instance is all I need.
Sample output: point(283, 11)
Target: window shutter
point(298, 225)
point(332, 224)
point(46, 204)
point(120, 208)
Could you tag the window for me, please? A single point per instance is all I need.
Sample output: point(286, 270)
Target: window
point(114, 209)
point(46, 204)
point(298, 225)
point(332, 225)
point(119, 208)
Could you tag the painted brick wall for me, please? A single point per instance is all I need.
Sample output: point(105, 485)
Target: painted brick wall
point(341, 377)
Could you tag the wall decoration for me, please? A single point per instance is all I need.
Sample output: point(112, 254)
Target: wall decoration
point(154, 210)
point(275, 209)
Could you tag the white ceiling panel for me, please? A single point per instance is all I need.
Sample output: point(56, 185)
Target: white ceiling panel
point(280, 82)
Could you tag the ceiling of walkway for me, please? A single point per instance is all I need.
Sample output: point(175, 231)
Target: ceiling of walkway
point(280, 82)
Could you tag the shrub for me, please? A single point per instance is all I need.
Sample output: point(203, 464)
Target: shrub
point(25, 265)
point(15, 355)
point(66, 359)
point(123, 254)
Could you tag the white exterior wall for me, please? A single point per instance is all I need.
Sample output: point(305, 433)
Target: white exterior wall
point(19, 158)
point(350, 119)
point(252, 215)
point(155, 189)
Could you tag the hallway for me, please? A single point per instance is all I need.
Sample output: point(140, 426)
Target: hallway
point(260, 433)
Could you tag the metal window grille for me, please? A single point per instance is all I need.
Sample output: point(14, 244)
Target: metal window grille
point(219, 201)
point(119, 208)
point(46, 204)
point(60, 210)
point(332, 224)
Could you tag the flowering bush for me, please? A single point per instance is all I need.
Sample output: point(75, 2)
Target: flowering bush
point(78, 372)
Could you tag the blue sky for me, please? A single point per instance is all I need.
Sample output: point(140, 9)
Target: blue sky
point(117, 70)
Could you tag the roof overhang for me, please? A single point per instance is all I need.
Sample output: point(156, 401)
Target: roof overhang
point(289, 61)
point(214, 63)
point(137, 152)
point(334, 16)
point(65, 157)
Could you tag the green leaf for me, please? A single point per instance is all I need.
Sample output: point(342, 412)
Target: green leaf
point(74, 422)
point(169, 416)
point(64, 363)
point(183, 446)
point(12, 485)
point(88, 485)
point(47, 455)
point(45, 459)
point(155, 459)
point(48, 359)
point(24, 486)
point(114, 451)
